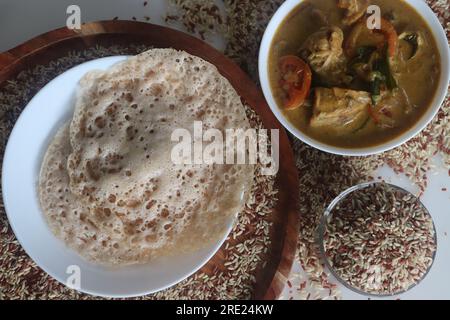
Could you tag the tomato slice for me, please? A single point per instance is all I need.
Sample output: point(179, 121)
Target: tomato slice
point(295, 81)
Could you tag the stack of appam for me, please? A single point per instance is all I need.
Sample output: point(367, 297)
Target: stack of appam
point(108, 187)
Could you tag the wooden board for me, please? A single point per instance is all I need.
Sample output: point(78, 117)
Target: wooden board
point(60, 42)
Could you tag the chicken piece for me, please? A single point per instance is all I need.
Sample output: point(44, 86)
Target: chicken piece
point(340, 111)
point(323, 52)
point(355, 9)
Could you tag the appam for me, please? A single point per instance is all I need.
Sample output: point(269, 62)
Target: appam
point(108, 186)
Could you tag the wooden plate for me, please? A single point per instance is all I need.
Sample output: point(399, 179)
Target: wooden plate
point(52, 45)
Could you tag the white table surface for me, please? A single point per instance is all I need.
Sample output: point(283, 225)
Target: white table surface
point(21, 20)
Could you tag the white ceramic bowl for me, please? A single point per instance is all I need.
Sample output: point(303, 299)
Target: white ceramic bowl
point(422, 8)
point(46, 112)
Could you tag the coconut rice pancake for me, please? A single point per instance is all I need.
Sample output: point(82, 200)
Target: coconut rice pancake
point(108, 186)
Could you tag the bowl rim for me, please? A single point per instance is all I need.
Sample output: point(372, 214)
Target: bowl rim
point(319, 239)
point(439, 97)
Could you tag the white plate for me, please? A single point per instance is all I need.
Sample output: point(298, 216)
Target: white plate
point(36, 126)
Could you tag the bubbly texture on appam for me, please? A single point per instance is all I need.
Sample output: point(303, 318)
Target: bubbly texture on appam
point(61, 208)
point(123, 200)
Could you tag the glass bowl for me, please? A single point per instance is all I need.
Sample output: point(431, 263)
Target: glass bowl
point(321, 242)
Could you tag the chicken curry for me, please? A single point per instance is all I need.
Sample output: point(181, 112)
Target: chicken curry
point(347, 84)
